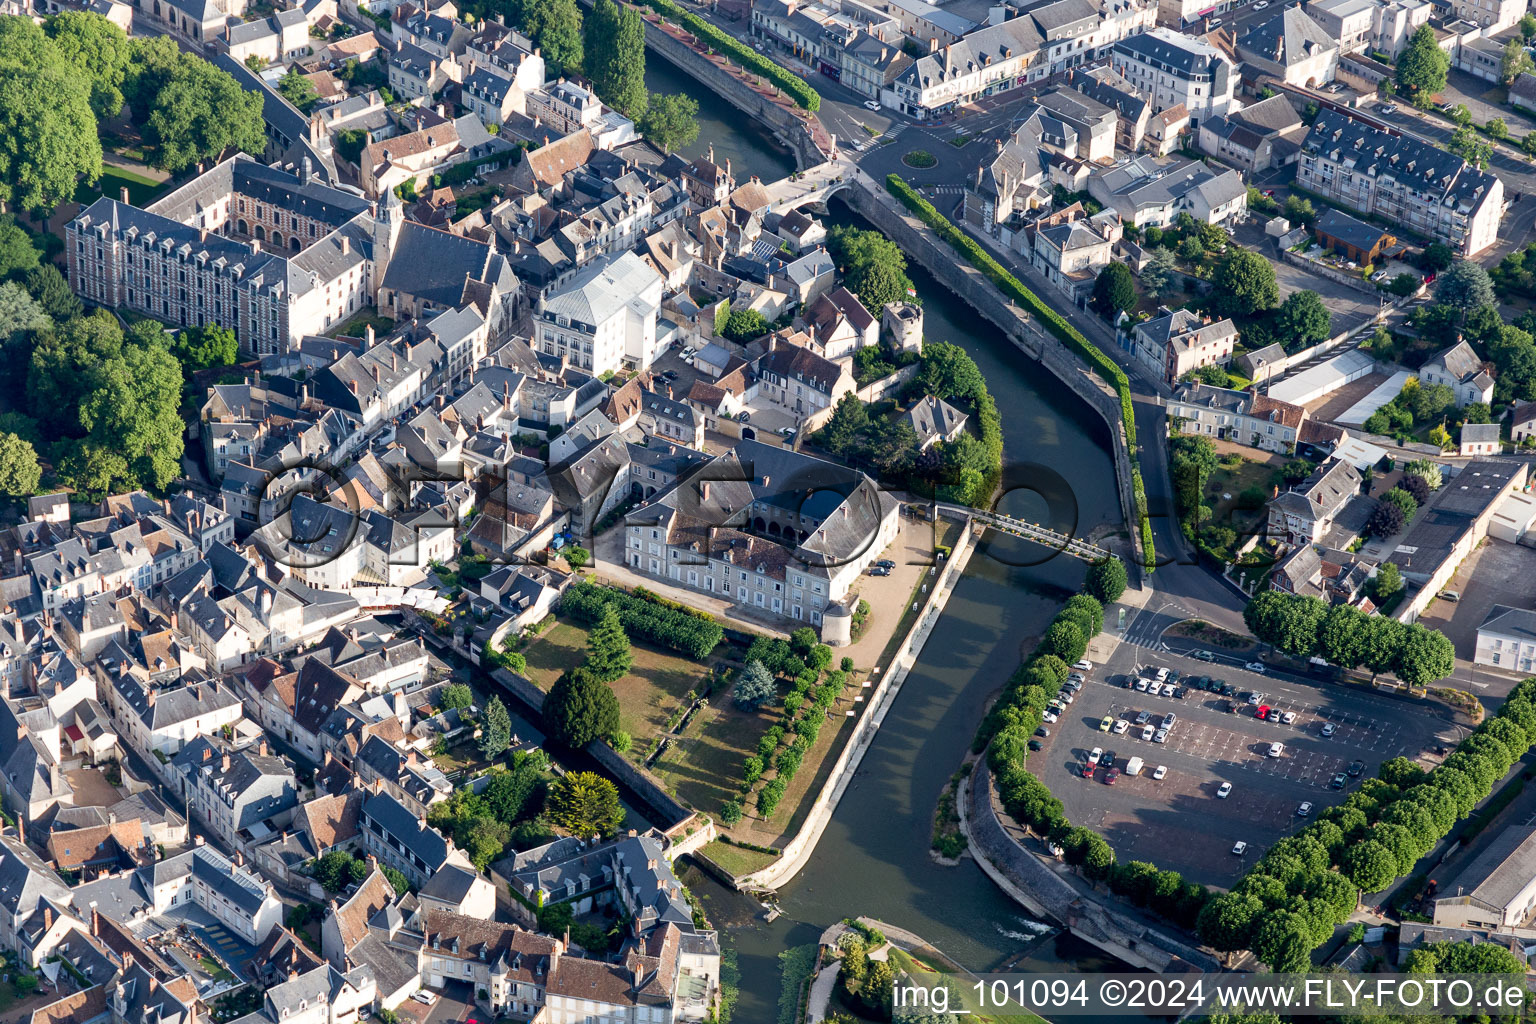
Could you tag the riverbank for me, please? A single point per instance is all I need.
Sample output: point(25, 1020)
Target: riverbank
point(798, 850)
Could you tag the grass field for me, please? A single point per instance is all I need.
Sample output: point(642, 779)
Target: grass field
point(655, 688)
point(141, 190)
point(735, 859)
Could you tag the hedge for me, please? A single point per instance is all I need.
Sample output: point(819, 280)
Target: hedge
point(795, 86)
point(644, 619)
point(1065, 332)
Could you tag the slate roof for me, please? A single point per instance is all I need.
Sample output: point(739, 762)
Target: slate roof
point(1503, 620)
point(1407, 159)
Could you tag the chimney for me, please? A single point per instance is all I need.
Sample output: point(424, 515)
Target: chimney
point(202, 235)
point(346, 243)
point(198, 840)
point(149, 698)
point(261, 748)
point(373, 863)
point(123, 195)
point(224, 763)
point(47, 917)
point(368, 337)
point(95, 922)
point(239, 859)
point(327, 758)
point(154, 983)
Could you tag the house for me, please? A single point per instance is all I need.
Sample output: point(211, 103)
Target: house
point(1507, 639)
point(1178, 341)
point(1479, 439)
point(1242, 416)
point(404, 841)
point(839, 324)
point(1173, 70)
point(1145, 191)
point(604, 318)
point(1304, 514)
point(459, 890)
point(34, 902)
point(239, 796)
point(1522, 92)
point(1522, 422)
point(799, 381)
point(1261, 364)
point(934, 420)
point(1260, 136)
point(1292, 47)
point(1497, 890)
point(1330, 575)
point(283, 36)
point(1462, 369)
point(1352, 238)
point(1403, 180)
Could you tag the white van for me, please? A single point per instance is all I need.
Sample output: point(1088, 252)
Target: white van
point(1133, 766)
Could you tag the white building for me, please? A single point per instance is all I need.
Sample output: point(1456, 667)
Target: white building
point(1176, 70)
point(1507, 639)
point(604, 318)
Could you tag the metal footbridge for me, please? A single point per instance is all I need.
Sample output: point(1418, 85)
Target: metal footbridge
point(1067, 545)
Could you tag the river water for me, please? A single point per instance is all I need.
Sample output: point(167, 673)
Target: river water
point(873, 858)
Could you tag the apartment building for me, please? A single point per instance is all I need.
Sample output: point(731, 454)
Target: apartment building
point(1174, 70)
point(604, 318)
point(1179, 341)
point(1403, 180)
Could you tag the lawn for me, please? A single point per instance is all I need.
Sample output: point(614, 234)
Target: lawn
point(355, 327)
point(141, 190)
point(460, 755)
point(735, 859)
point(656, 687)
point(1223, 492)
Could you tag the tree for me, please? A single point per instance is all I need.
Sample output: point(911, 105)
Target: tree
point(1404, 284)
point(1466, 144)
point(585, 804)
point(18, 256)
point(1514, 62)
point(1401, 772)
point(19, 471)
point(52, 292)
point(742, 325)
point(1465, 286)
point(1403, 500)
point(1496, 128)
point(396, 879)
point(93, 45)
point(1370, 866)
point(874, 267)
point(1415, 487)
point(1114, 290)
point(608, 656)
point(200, 348)
point(19, 312)
point(556, 26)
point(297, 89)
point(1426, 469)
point(1387, 582)
point(1341, 637)
point(754, 687)
point(1107, 580)
point(200, 113)
point(495, 728)
point(1386, 520)
point(1287, 622)
point(48, 139)
point(1299, 210)
point(1228, 921)
point(1065, 640)
point(615, 57)
point(1426, 655)
point(1302, 320)
point(1284, 942)
point(1160, 274)
point(671, 120)
point(1422, 68)
point(456, 696)
point(730, 813)
point(334, 870)
point(134, 408)
point(1527, 25)
point(579, 709)
point(1244, 284)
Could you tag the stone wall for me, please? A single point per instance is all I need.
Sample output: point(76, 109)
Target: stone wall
point(644, 787)
point(870, 199)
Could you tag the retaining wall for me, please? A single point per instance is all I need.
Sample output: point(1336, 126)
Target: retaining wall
point(919, 243)
point(881, 697)
point(642, 785)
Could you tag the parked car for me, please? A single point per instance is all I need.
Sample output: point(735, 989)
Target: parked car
point(1203, 655)
point(1262, 711)
point(1035, 745)
point(1042, 731)
point(1169, 689)
point(1305, 809)
point(884, 563)
point(1066, 696)
point(1142, 684)
point(1078, 678)
point(1169, 719)
point(1340, 780)
point(1108, 760)
point(423, 996)
point(1239, 848)
point(1276, 749)
point(1112, 776)
point(1106, 723)
point(1095, 754)
point(1083, 666)
point(1257, 667)
point(1160, 771)
point(1074, 685)
point(1223, 791)
point(1143, 717)
point(1329, 728)
point(1388, 108)
point(1161, 736)
point(1121, 727)
point(871, 104)
point(1148, 733)
point(879, 570)
point(1356, 769)
point(1256, 697)
point(1049, 716)
point(1288, 718)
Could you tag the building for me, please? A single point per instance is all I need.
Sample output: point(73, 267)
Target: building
point(1454, 522)
point(1330, 575)
point(283, 36)
point(1460, 368)
point(1178, 342)
point(1306, 513)
point(1479, 439)
point(766, 527)
point(1292, 47)
point(403, 840)
point(1498, 889)
point(1522, 422)
point(1403, 180)
point(1176, 70)
point(1352, 238)
point(934, 420)
point(1071, 248)
point(239, 796)
point(1262, 135)
point(1507, 639)
point(1147, 192)
point(604, 318)
point(1492, 16)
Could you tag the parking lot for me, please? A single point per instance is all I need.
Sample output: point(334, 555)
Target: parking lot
point(1503, 573)
point(1178, 821)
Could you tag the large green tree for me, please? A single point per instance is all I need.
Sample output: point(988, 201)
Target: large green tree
point(19, 312)
point(48, 140)
point(1244, 284)
point(1422, 67)
point(671, 120)
point(585, 804)
point(615, 56)
point(201, 113)
point(608, 648)
point(874, 267)
point(1107, 579)
point(579, 709)
point(1466, 286)
point(1301, 320)
point(99, 49)
point(754, 687)
point(1427, 655)
point(19, 471)
point(556, 26)
point(495, 728)
point(298, 90)
point(1114, 290)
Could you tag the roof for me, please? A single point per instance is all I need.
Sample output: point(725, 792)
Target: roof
point(1503, 620)
point(602, 290)
point(1479, 433)
point(933, 417)
point(1501, 872)
point(1174, 51)
point(1351, 230)
point(1287, 38)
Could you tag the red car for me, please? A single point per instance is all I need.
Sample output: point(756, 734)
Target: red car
point(1112, 776)
point(1262, 711)
point(1087, 771)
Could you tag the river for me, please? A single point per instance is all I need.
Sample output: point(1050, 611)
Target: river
point(873, 858)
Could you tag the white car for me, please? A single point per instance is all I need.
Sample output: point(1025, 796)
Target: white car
point(1224, 791)
point(1289, 718)
point(1329, 728)
point(871, 104)
point(1083, 666)
point(1169, 689)
point(1160, 771)
point(1261, 5)
point(1255, 697)
point(1239, 848)
point(1121, 727)
point(1142, 684)
point(1147, 733)
point(1256, 667)
point(1095, 754)
point(1049, 716)
point(1161, 736)
point(423, 996)
point(1276, 749)
point(1305, 809)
